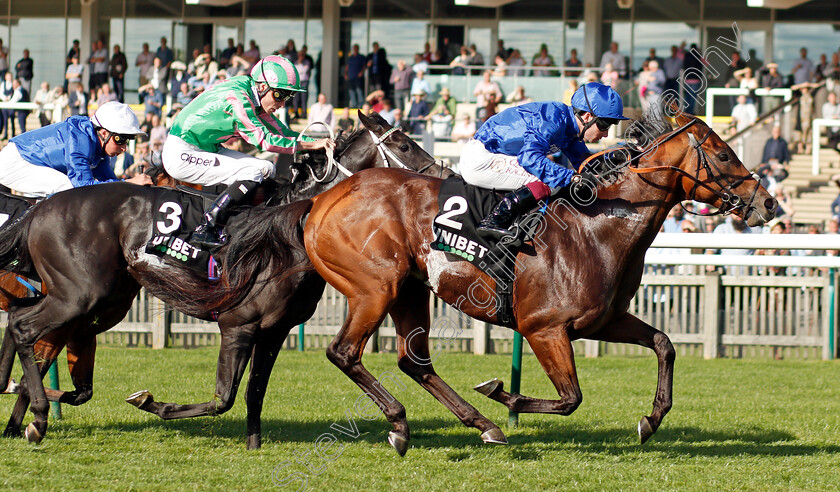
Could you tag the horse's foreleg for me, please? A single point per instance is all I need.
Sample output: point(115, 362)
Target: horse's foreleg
point(345, 351)
point(630, 329)
point(234, 352)
point(411, 316)
point(262, 362)
point(554, 351)
point(81, 355)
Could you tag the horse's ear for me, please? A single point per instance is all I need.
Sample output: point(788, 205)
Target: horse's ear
point(363, 118)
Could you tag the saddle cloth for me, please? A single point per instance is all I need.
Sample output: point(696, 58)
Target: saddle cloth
point(175, 216)
point(461, 208)
point(11, 207)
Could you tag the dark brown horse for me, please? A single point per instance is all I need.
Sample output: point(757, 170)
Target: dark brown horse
point(369, 237)
point(115, 219)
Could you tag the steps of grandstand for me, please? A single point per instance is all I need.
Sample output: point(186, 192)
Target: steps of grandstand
point(813, 193)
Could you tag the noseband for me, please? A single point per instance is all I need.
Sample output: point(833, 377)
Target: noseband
point(385, 152)
point(730, 200)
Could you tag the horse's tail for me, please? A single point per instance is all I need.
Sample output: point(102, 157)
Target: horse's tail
point(267, 242)
point(14, 248)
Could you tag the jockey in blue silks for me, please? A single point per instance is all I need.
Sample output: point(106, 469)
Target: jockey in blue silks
point(76, 152)
point(510, 150)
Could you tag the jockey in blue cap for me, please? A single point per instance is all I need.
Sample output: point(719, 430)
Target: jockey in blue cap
point(510, 150)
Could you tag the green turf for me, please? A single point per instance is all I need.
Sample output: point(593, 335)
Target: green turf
point(735, 425)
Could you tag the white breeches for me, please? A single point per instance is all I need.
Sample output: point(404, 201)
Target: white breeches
point(188, 163)
point(482, 168)
point(27, 178)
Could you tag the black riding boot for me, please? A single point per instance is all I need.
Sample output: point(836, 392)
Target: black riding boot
point(495, 225)
point(208, 233)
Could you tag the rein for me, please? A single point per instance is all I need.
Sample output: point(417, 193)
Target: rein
point(384, 152)
point(331, 162)
point(731, 201)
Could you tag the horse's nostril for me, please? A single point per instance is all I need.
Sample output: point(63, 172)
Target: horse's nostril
point(770, 204)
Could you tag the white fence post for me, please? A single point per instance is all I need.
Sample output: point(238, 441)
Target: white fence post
point(592, 348)
point(160, 322)
point(711, 310)
point(481, 336)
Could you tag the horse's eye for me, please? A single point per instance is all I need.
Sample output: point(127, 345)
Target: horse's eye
point(404, 147)
point(723, 156)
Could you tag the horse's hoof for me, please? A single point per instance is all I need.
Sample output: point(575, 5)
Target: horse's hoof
point(140, 399)
point(12, 432)
point(13, 388)
point(645, 429)
point(32, 433)
point(488, 387)
point(398, 442)
point(494, 436)
point(254, 442)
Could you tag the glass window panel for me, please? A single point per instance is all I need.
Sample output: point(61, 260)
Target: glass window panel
point(414, 9)
point(528, 36)
point(574, 39)
point(789, 38)
point(137, 32)
point(660, 36)
point(412, 35)
point(650, 10)
point(74, 32)
point(223, 33)
point(314, 37)
point(813, 10)
point(267, 33)
point(48, 62)
point(359, 35)
point(618, 32)
point(116, 37)
point(533, 9)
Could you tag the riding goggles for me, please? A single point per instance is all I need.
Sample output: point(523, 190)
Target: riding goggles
point(282, 95)
point(121, 139)
point(604, 124)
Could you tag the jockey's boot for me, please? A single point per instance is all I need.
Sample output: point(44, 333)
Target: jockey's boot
point(496, 225)
point(208, 234)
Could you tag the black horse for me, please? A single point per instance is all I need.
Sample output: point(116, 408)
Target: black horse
point(88, 247)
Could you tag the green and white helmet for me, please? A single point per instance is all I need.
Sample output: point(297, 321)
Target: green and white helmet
point(278, 72)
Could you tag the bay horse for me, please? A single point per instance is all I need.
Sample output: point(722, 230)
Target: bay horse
point(90, 292)
point(369, 237)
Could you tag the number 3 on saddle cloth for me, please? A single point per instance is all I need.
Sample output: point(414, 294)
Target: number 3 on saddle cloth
point(176, 214)
point(462, 206)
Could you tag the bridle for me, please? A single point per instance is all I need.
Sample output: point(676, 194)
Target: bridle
point(331, 162)
point(730, 200)
point(385, 152)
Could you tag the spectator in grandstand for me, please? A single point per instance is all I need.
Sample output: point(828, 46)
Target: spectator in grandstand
point(488, 110)
point(785, 209)
point(831, 111)
point(158, 77)
point(460, 63)
point(448, 51)
point(573, 61)
point(655, 83)
point(118, 67)
point(144, 63)
point(445, 104)
point(427, 53)
point(345, 123)
point(778, 227)
point(735, 64)
point(153, 101)
point(43, 96)
point(772, 79)
point(165, 54)
point(4, 60)
point(744, 114)
point(652, 57)
point(615, 58)
point(746, 79)
point(99, 67)
point(419, 83)
point(374, 100)
point(500, 69)
point(19, 95)
point(831, 73)
point(366, 109)
point(379, 70)
point(402, 78)
point(476, 59)
point(484, 89)
point(227, 54)
point(774, 160)
point(304, 67)
point(693, 77)
point(609, 76)
point(732, 225)
point(24, 70)
point(418, 112)
point(806, 115)
point(542, 59)
point(239, 65)
point(252, 54)
point(501, 51)
point(321, 111)
point(400, 122)
point(74, 72)
point(673, 65)
point(354, 74)
point(463, 130)
point(803, 68)
point(518, 97)
point(568, 93)
point(105, 95)
point(420, 63)
point(77, 100)
point(514, 62)
point(158, 133)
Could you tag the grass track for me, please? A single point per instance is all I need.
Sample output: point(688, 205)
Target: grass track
point(735, 425)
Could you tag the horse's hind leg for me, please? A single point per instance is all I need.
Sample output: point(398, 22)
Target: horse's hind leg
point(46, 352)
point(554, 351)
point(262, 362)
point(630, 329)
point(410, 312)
point(234, 352)
point(345, 351)
point(81, 355)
